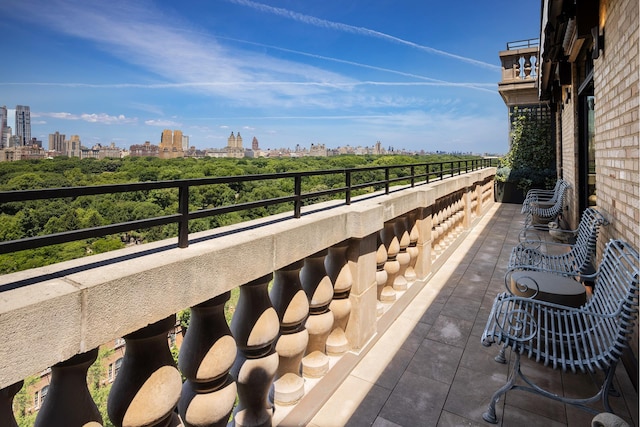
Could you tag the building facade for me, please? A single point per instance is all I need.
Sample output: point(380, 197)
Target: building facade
point(589, 74)
point(3, 126)
point(171, 144)
point(23, 124)
point(57, 142)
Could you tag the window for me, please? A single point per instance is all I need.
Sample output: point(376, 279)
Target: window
point(36, 399)
point(119, 342)
point(116, 367)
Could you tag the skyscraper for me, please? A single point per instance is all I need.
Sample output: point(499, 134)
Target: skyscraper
point(3, 125)
point(23, 124)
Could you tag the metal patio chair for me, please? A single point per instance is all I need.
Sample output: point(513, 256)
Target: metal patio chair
point(590, 338)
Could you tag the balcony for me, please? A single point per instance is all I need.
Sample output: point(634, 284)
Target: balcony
point(355, 314)
point(520, 70)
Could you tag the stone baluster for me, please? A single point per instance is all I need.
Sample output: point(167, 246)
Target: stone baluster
point(527, 66)
point(147, 388)
point(69, 401)
point(412, 249)
point(319, 289)
point(206, 357)
point(292, 306)
point(384, 294)
point(392, 266)
point(402, 234)
point(6, 404)
point(340, 274)
point(255, 327)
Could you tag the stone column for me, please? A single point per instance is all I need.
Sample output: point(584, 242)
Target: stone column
point(361, 258)
point(6, 404)
point(319, 289)
point(69, 402)
point(255, 327)
point(147, 388)
point(340, 274)
point(206, 357)
point(292, 306)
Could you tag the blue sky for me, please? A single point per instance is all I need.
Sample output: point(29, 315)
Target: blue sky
point(415, 75)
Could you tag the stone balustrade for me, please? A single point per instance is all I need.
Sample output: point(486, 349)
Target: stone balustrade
point(311, 289)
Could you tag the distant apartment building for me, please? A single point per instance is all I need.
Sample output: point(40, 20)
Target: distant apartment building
point(57, 143)
point(73, 146)
point(234, 146)
point(171, 144)
point(144, 150)
point(23, 124)
point(319, 150)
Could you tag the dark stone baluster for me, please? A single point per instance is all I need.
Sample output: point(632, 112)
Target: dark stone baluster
point(69, 402)
point(290, 301)
point(206, 357)
point(392, 266)
point(255, 326)
point(147, 388)
point(6, 404)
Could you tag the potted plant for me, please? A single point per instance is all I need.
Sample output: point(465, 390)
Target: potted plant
point(530, 162)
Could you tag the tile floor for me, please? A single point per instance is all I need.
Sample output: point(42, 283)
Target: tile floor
point(429, 368)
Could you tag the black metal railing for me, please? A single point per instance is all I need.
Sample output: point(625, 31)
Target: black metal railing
point(418, 173)
point(522, 44)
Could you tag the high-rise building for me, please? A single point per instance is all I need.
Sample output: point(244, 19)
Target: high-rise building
point(171, 144)
point(23, 124)
point(3, 125)
point(185, 143)
point(73, 146)
point(57, 142)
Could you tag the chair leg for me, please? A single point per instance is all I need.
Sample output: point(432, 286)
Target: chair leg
point(500, 358)
point(490, 415)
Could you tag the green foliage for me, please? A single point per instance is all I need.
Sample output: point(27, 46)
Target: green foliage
point(33, 218)
point(530, 161)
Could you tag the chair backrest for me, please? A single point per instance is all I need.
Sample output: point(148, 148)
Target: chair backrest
point(587, 238)
point(615, 295)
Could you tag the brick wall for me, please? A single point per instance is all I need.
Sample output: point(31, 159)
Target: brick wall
point(616, 127)
point(616, 137)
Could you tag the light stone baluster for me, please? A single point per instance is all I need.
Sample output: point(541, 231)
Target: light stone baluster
point(412, 249)
point(292, 306)
point(147, 388)
point(392, 266)
point(255, 326)
point(381, 276)
point(6, 404)
point(206, 357)
point(402, 234)
point(319, 289)
point(342, 279)
point(69, 402)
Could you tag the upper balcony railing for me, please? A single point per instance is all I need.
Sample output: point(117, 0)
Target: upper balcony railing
point(520, 61)
point(356, 181)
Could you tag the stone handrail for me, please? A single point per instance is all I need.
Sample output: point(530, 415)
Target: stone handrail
point(334, 272)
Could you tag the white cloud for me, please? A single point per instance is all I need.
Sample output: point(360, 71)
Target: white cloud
point(163, 123)
point(88, 117)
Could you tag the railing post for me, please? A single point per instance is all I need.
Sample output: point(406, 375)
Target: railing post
point(413, 176)
point(386, 180)
point(183, 225)
point(297, 189)
point(347, 184)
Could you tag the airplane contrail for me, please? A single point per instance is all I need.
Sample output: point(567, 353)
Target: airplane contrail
point(323, 23)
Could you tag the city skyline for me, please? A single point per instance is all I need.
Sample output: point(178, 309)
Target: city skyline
point(415, 77)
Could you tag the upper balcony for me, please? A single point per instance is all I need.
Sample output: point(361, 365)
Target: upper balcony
point(348, 314)
point(520, 62)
